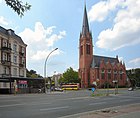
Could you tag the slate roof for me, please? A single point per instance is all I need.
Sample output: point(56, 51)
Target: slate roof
point(97, 59)
point(10, 32)
point(85, 26)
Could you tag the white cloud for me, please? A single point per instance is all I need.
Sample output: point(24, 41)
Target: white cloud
point(135, 61)
point(41, 54)
point(39, 33)
point(126, 29)
point(3, 21)
point(100, 11)
point(55, 37)
point(40, 41)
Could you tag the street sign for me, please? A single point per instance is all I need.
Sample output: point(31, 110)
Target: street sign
point(93, 89)
point(115, 81)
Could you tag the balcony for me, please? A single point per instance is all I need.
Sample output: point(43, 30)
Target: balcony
point(6, 63)
point(6, 49)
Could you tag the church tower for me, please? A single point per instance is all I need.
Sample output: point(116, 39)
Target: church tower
point(85, 52)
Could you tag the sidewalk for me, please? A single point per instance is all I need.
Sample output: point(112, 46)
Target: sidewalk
point(129, 111)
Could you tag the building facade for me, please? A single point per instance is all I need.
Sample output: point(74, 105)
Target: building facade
point(12, 56)
point(94, 68)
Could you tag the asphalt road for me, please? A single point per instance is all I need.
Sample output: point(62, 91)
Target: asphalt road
point(61, 105)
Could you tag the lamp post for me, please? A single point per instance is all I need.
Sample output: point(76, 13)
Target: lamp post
point(45, 68)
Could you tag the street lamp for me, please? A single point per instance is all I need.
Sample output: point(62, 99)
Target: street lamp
point(45, 68)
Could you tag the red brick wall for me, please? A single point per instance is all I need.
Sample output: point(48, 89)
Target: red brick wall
point(96, 73)
point(85, 60)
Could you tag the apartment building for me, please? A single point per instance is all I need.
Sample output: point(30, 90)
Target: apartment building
point(12, 56)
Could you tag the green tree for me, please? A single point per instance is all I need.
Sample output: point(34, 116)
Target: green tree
point(134, 76)
point(32, 74)
point(18, 6)
point(70, 76)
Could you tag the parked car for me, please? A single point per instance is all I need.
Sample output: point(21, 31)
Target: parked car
point(130, 89)
point(58, 89)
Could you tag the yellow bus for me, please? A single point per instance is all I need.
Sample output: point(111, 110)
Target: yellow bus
point(70, 86)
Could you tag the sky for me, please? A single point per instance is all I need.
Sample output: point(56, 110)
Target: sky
point(50, 24)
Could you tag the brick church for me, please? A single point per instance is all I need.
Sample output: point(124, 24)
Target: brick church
point(93, 68)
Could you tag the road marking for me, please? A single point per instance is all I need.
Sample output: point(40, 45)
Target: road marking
point(125, 100)
point(35, 103)
point(97, 103)
point(29, 104)
point(11, 105)
point(9, 100)
point(77, 98)
point(54, 108)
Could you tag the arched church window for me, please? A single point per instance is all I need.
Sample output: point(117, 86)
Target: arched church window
point(81, 50)
point(87, 49)
point(103, 73)
point(121, 72)
point(115, 74)
point(103, 70)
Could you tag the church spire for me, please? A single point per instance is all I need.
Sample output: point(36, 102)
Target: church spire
point(85, 27)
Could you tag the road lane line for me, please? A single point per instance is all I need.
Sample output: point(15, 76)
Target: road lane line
point(98, 103)
point(39, 103)
point(29, 104)
point(125, 100)
point(8, 100)
point(54, 108)
point(11, 105)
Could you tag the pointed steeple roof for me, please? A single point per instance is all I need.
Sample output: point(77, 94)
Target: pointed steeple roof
point(85, 27)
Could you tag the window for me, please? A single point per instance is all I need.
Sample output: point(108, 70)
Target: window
point(9, 45)
point(4, 84)
point(121, 73)
point(4, 43)
point(23, 72)
point(103, 71)
point(109, 75)
point(109, 70)
point(102, 75)
point(81, 50)
point(22, 50)
point(4, 70)
point(115, 71)
point(15, 48)
point(115, 76)
point(121, 76)
point(15, 71)
point(4, 57)
point(15, 59)
point(87, 49)
point(22, 60)
point(9, 58)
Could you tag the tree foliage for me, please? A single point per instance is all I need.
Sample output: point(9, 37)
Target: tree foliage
point(32, 74)
point(70, 76)
point(134, 76)
point(18, 6)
